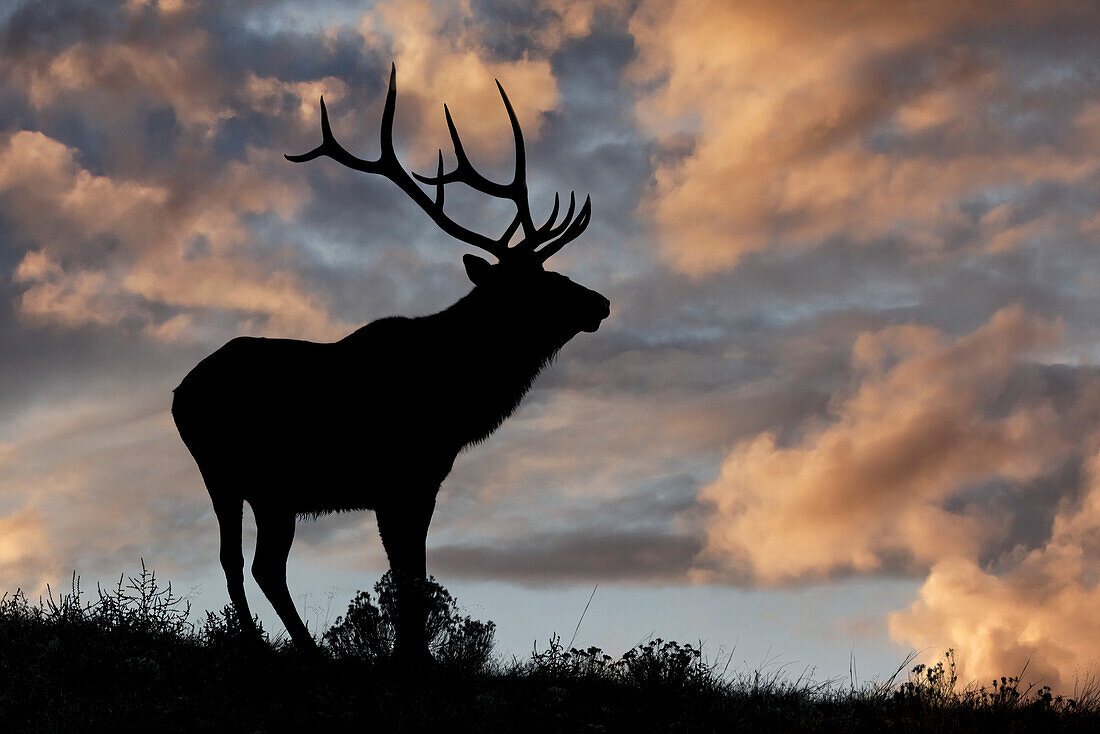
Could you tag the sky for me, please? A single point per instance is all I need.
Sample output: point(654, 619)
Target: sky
point(846, 405)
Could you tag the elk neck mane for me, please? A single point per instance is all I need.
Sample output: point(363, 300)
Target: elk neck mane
point(480, 351)
point(502, 352)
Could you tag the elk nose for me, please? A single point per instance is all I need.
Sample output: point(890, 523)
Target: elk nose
point(606, 307)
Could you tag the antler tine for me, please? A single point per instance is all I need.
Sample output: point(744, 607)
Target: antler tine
point(464, 171)
point(519, 180)
point(555, 231)
point(388, 111)
point(576, 227)
point(439, 186)
point(515, 191)
point(553, 215)
point(331, 148)
point(511, 230)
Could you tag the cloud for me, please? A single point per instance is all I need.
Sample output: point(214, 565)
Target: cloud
point(963, 460)
point(1040, 614)
point(608, 554)
point(71, 300)
point(108, 250)
point(24, 548)
point(779, 129)
point(94, 482)
point(65, 207)
point(437, 62)
point(869, 489)
point(171, 69)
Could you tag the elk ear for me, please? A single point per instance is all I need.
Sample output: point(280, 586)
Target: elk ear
point(476, 268)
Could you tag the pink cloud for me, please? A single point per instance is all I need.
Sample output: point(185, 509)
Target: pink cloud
point(1041, 614)
point(868, 488)
point(106, 248)
point(775, 114)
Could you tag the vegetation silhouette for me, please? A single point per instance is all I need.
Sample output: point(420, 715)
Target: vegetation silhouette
point(368, 630)
point(375, 420)
point(132, 660)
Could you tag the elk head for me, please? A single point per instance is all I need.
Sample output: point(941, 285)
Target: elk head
point(518, 285)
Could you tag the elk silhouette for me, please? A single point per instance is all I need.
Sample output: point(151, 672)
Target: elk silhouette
point(376, 419)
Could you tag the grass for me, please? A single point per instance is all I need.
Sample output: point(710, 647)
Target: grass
point(132, 660)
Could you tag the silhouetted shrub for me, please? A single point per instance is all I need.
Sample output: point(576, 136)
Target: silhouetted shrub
point(362, 633)
point(660, 664)
point(654, 664)
point(367, 631)
point(138, 605)
point(224, 629)
point(931, 684)
point(557, 662)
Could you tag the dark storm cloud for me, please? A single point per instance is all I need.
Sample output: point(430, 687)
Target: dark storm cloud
point(45, 28)
point(627, 538)
point(569, 557)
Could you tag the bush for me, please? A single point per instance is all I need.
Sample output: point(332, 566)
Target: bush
point(367, 631)
point(136, 606)
point(660, 664)
point(223, 629)
point(656, 664)
point(557, 662)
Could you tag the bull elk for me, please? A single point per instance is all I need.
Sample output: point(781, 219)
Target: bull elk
point(375, 420)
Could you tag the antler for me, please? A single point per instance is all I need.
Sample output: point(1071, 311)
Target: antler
point(552, 235)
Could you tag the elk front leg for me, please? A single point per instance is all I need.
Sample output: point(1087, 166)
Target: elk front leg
point(404, 531)
point(274, 535)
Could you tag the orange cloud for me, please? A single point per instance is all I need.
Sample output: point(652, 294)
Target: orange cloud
point(1041, 614)
point(92, 477)
point(23, 544)
point(766, 116)
point(267, 94)
point(436, 65)
point(106, 249)
point(67, 299)
point(62, 206)
point(869, 488)
point(173, 72)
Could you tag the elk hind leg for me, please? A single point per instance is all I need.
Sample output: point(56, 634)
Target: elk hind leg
point(274, 536)
point(230, 515)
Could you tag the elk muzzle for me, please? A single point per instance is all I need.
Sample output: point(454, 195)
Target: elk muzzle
point(599, 310)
